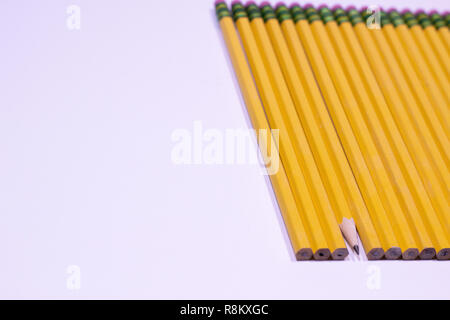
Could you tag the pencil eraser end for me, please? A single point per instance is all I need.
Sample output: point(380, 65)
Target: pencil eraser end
point(235, 2)
point(280, 4)
point(364, 8)
point(419, 11)
point(218, 1)
point(248, 3)
point(350, 8)
point(335, 7)
point(321, 6)
point(308, 5)
point(264, 3)
point(433, 12)
point(405, 11)
point(390, 10)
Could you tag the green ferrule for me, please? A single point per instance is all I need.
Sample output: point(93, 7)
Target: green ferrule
point(268, 13)
point(396, 18)
point(283, 15)
point(314, 17)
point(410, 19)
point(339, 13)
point(424, 20)
point(384, 19)
point(325, 11)
point(237, 7)
point(354, 16)
point(310, 11)
point(447, 19)
point(238, 15)
point(341, 19)
point(281, 9)
point(238, 11)
point(297, 14)
point(312, 14)
point(253, 12)
point(439, 24)
point(397, 21)
point(366, 14)
point(222, 11)
point(437, 20)
point(327, 18)
point(326, 15)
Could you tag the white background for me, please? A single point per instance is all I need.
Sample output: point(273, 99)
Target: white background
point(86, 176)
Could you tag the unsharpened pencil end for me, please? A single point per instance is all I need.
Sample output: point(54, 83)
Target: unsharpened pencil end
point(339, 254)
point(356, 248)
point(443, 254)
point(410, 254)
point(393, 253)
point(304, 254)
point(419, 11)
point(375, 254)
point(427, 254)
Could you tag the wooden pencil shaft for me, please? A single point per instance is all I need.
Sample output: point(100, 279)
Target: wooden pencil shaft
point(320, 131)
point(354, 154)
point(373, 158)
point(393, 135)
point(298, 137)
point(289, 210)
point(431, 59)
point(395, 103)
point(317, 239)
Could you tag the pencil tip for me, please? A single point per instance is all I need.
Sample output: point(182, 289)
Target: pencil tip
point(356, 248)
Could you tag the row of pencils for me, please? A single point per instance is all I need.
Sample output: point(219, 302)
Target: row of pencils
point(361, 99)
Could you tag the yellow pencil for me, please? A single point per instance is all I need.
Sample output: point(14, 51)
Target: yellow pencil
point(433, 37)
point(440, 104)
point(373, 159)
point(295, 130)
point(425, 218)
point(439, 23)
point(317, 133)
point(424, 46)
point(391, 245)
point(316, 236)
point(368, 117)
point(411, 114)
point(280, 183)
point(314, 114)
point(396, 105)
point(424, 111)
